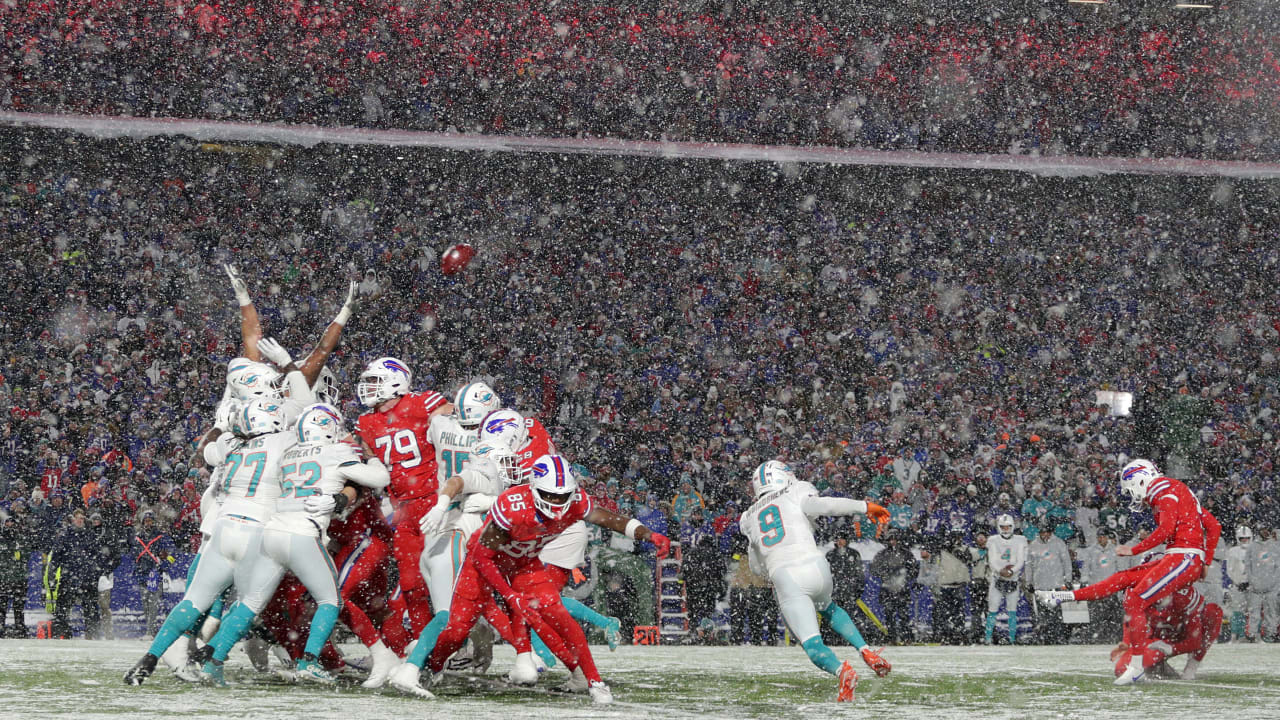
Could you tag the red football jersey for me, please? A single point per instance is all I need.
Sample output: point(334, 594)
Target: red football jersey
point(529, 529)
point(1178, 515)
point(1168, 618)
point(539, 444)
point(399, 438)
point(363, 517)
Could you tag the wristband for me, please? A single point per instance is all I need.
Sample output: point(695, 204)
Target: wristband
point(632, 526)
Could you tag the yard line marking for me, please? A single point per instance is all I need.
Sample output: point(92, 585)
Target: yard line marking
point(1189, 683)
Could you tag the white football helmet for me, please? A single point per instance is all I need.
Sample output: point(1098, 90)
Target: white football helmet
point(770, 476)
point(249, 379)
point(1243, 533)
point(382, 380)
point(326, 388)
point(320, 423)
point(553, 486)
point(473, 402)
point(503, 462)
point(1136, 479)
point(1004, 524)
point(259, 416)
point(504, 427)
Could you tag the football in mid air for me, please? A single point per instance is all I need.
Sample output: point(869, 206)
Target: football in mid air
point(456, 258)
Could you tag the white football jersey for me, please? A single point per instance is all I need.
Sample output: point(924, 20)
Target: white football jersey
point(778, 528)
point(306, 470)
point(453, 445)
point(250, 473)
point(482, 481)
point(1002, 552)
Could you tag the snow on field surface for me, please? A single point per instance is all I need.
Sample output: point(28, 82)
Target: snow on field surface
point(82, 679)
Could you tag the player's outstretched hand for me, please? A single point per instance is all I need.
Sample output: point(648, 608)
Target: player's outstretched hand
point(876, 513)
point(349, 305)
point(431, 522)
point(661, 545)
point(322, 505)
point(238, 285)
point(274, 352)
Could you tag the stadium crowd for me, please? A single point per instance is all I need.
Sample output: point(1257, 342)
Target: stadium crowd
point(932, 340)
point(758, 73)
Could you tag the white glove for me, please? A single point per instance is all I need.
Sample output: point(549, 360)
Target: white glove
point(345, 313)
point(237, 284)
point(434, 519)
point(274, 352)
point(321, 505)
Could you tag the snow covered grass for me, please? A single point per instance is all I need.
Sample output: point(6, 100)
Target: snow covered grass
point(82, 679)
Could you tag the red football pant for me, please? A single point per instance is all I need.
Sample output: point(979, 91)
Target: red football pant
point(394, 633)
point(545, 584)
point(1164, 577)
point(1113, 583)
point(1197, 636)
point(407, 547)
point(288, 614)
point(362, 580)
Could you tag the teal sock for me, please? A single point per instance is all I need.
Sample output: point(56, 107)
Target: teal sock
point(541, 648)
point(991, 625)
point(821, 655)
point(180, 619)
point(219, 606)
point(427, 640)
point(579, 611)
point(234, 626)
point(844, 625)
point(321, 627)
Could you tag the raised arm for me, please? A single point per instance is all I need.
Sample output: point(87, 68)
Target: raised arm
point(630, 527)
point(250, 326)
point(315, 361)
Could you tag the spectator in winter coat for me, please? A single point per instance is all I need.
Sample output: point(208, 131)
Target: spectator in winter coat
point(897, 568)
point(153, 550)
point(949, 564)
point(1098, 561)
point(1238, 577)
point(15, 556)
point(703, 571)
point(71, 576)
point(687, 501)
point(1049, 568)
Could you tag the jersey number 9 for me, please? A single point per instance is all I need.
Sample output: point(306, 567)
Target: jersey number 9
point(771, 528)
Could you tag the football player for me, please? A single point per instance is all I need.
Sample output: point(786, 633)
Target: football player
point(363, 558)
point(395, 430)
point(1190, 535)
point(313, 475)
point(503, 558)
point(1006, 558)
point(778, 527)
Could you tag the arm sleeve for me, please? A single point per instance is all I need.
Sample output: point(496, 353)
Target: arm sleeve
point(822, 506)
point(216, 452)
point(372, 474)
point(1212, 532)
point(1168, 519)
point(481, 476)
point(299, 390)
point(755, 561)
point(992, 562)
point(1019, 557)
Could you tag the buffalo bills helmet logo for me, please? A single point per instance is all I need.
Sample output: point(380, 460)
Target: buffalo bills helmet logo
point(1133, 471)
point(393, 365)
point(540, 470)
point(498, 425)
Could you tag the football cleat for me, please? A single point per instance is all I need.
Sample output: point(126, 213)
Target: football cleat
point(1054, 598)
point(524, 672)
point(405, 679)
point(1189, 672)
point(211, 674)
point(539, 663)
point(141, 671)
point(577, 682)
point(175, 658)
point(259, 655)
point(613, 633)
point(309, 670)
point(879, 665)
point(848, 679)
point(1133, 673)
point(188, 673)
point(600, 693)
point(385, 662)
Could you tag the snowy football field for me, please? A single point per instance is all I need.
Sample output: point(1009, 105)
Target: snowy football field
point(82, 679)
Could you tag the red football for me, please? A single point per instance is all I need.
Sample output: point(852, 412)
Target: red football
point(456, 258)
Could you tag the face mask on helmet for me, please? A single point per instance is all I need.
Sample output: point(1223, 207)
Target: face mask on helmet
point(771, 476)
point(504, 463)
point(553, 486)
point(248, 379)
point(326, 388)
point(320, 423)
point(473, 402)
point(383, 379)
point(506, 428)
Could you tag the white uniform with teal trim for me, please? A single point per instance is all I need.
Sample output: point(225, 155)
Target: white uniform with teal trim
point(481, 482)
point(782, 544)
point(248, 476)
point(453, 444)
